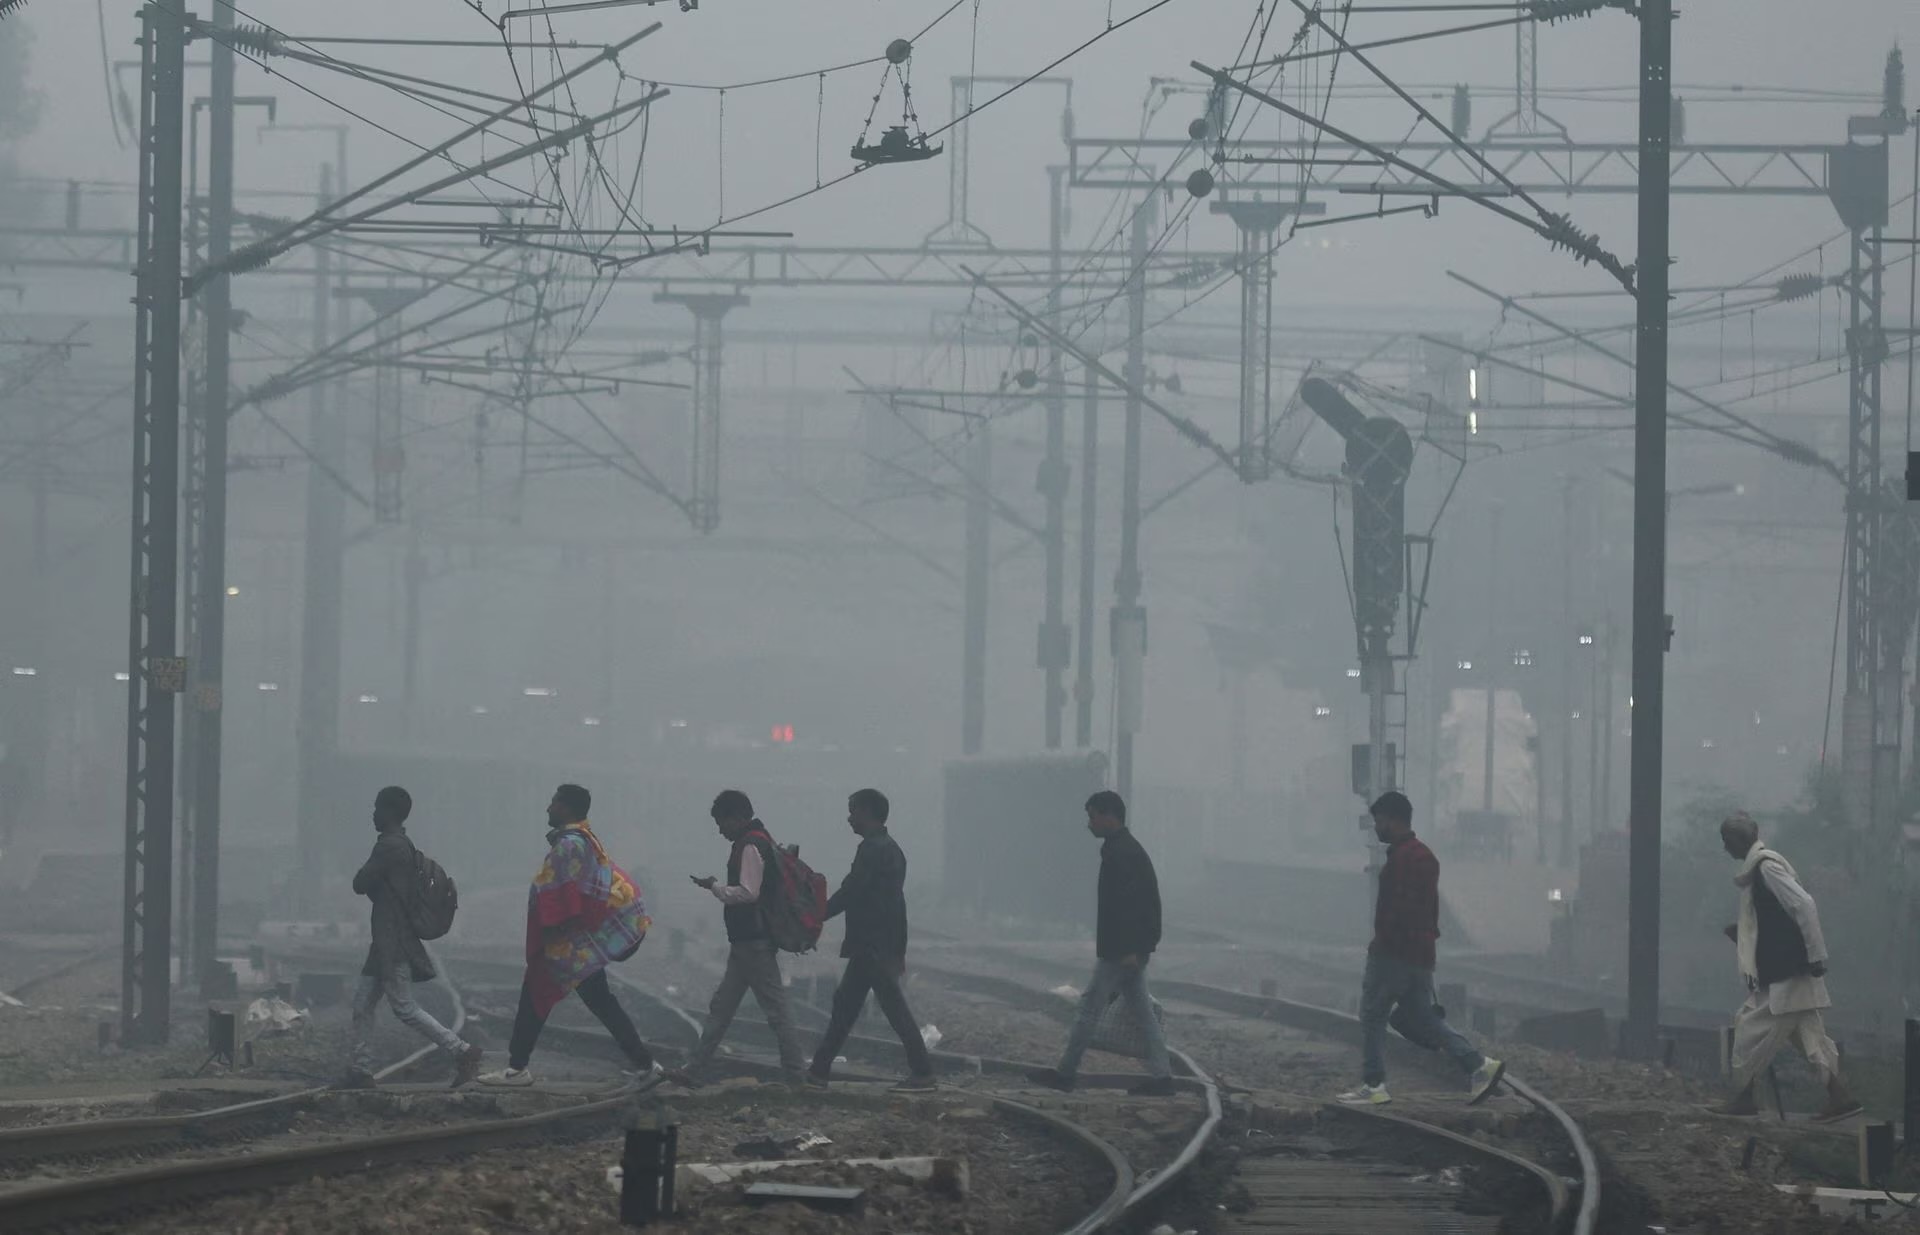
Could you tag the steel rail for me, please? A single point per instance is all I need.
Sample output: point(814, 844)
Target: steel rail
point(109, 1136)
point(1589, 1213)
point(1190, 1153)
point(1334, 1023)
point(1118, 1198)
point(1556, 1187)
point(1330, 1022)
point(174, 1183)
point(61, 970)
point(1123, 1197)
point(1129, 1194)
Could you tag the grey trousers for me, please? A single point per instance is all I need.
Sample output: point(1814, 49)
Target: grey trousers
point(397, 986)
point(751, 966)
point(1113, 980)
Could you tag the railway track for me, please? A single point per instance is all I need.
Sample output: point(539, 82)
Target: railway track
point(31, 985)
point(1516, 994)
point(1565, 1209)
point(119, 1192)
point(1131, 1189)
point(169, 1183)
point(91, 1138)
point(1576, 1209)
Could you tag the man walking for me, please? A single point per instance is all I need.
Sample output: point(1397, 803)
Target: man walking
point(1398, 987)
point(583, 913)
point(1783, 960)
point(753, 963)
point(396, 958)
point(873, 896)
point(1126, 931)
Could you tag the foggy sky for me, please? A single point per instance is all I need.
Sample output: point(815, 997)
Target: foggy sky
point(1223, 555)
point(770, 133)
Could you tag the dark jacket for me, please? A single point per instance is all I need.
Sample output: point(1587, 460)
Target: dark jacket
point(1780, 951)
point(1406, 918)
point(874, 898)
point(383, 879)
point(746, 923)
point(1128, 922)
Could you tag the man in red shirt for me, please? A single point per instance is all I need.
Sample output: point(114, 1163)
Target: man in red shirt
point(1398, 987)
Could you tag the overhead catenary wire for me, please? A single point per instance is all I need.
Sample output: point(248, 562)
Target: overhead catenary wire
point(1786, 448)
point(977, 108)
point(1395, 41)
point(322, 220)
point(1090, 312)
point(258, 41)
point(252, 47)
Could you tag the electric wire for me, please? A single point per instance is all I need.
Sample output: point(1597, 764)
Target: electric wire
point(972, 111)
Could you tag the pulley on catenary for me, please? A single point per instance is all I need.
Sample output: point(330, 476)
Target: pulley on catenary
point(905, 142)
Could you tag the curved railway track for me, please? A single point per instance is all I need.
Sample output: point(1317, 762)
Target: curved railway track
point(1130, 1190)
point(1341, 1026)
point(118, 1192)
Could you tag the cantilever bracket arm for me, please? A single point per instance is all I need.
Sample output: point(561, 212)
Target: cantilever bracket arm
point(254, 256)
point(973, 482)
point(1182, 425)
point(1557, 230)
point(1785, 447)
point(325, 220)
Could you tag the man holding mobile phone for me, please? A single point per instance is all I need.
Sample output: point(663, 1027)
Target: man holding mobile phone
point(753, 963)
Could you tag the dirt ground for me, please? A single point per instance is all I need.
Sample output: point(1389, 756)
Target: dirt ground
point(1668, 1162)
point(1022, 1182)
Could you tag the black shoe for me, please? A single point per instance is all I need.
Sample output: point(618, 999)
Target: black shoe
point(916, 1084)
point(356, 1078)
point(1154, 1087)
point(816, 1081)
point(466, 1068)
point(686, 1078)
point(1052, 1078)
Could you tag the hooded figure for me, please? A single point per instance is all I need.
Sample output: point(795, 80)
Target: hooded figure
point(1782, 958)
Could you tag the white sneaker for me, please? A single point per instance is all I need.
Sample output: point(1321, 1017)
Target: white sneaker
point(1365, 1095)
point(1485, 1081)
point(652, 1075)
point(508, 1078)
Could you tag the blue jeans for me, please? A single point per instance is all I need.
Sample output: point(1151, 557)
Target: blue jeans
point(1111, 979)
point(1400, 994)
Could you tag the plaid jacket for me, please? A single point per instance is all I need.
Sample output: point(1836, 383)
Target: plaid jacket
point(1406, 918)
point(583, 913)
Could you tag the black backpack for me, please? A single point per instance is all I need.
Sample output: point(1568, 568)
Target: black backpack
point(429, 898)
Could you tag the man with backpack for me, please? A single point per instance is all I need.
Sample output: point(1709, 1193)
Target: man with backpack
point(396, 958)
point(873, 896)
point(583, 913)
point(747, 899)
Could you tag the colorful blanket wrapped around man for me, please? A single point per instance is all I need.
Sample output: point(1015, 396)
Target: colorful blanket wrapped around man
point(583, 913)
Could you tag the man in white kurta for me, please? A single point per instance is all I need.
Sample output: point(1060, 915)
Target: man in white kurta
point(1783, 960)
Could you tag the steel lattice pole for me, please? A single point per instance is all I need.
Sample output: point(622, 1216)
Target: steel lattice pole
point(155, 672)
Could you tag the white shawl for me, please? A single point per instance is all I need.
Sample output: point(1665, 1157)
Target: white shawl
point(1796, 994)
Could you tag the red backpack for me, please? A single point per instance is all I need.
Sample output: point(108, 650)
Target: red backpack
point(797, 910)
